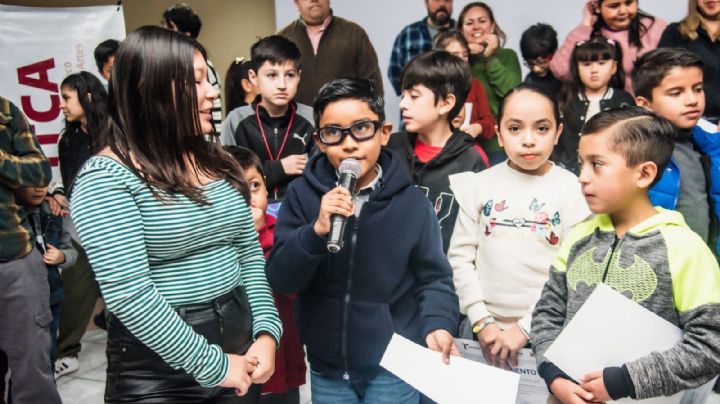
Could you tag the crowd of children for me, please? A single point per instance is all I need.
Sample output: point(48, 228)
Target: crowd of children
point(607, 174)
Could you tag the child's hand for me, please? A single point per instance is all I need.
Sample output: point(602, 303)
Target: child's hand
point(238, 376)
point(263, 350)
point(569, 392)
point(487, 338)
point(595, 384)
point(53, 256)
point(474, 129)
point(589, 15)
point(506, 346)
point(58, 205)
point(442, 341)
point(258, 217)
point(337, 201)
point(294, 164)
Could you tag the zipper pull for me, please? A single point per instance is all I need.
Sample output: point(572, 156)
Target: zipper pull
point(346, 376)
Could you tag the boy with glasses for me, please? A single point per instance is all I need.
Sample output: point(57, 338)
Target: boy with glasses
point(538, 45)
point(391, 274)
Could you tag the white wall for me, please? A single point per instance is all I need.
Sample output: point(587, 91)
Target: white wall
point(383, 20)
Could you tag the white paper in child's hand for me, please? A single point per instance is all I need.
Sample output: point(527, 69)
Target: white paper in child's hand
point(461, 381)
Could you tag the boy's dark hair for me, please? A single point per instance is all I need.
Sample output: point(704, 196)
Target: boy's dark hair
point(275, 49)
point(652, 67)
point(104, 51)
point(348, 89)
point(183, 18)
point(443, 74)
point(531, 88)
point(637, 134)
point(540, 40)
point(246, 158)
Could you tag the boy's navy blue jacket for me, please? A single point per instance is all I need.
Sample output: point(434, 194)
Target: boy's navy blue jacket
point(390, 276)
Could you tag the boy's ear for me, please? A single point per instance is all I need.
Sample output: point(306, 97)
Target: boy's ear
point(252, 76)
point(445, 105)
point(384, 133)
point(646, 174)
point(642, 102)
point(246, 85)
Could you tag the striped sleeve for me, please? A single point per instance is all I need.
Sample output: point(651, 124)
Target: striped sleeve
point(111, 231)
point(252, 274)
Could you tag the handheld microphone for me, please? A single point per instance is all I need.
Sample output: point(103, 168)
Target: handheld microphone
point(349, 172)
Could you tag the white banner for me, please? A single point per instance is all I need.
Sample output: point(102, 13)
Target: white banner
point(42, 46)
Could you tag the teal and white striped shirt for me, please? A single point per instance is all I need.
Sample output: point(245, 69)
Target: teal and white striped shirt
point(150, 256)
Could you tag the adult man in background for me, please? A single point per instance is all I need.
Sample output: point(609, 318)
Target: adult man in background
point(417, 38)
point(331, 48)
point(24, 292)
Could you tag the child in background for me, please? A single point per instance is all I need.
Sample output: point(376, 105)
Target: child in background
point(53, 241)
point(274, 127)
point(596, 85)
point(239, 90)
point(434, 86)
point(283, 385)
point(671, 271)
point(482, 122)
point(537, 46)
point(526, 204)
point(669, 81)
point(350, 303)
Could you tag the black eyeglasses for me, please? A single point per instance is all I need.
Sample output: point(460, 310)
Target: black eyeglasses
point(360, 131)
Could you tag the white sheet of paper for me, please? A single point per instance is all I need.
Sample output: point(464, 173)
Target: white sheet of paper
point(609, 330)
point(468, 113)
point(462, 381)
point(532, 388)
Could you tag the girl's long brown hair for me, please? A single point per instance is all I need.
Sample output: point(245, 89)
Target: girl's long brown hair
point(154, 127)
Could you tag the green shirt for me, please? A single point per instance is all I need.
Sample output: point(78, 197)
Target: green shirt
point(22, 164)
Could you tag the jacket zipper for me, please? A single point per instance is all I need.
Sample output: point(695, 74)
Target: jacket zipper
point(275, 146)
point(612, 253)
point(353, 242)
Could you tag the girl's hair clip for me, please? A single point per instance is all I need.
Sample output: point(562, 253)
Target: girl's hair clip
point(239, 60)
point(581, 43)
point(611, 41)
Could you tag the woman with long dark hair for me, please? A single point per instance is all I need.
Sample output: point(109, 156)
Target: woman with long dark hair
point(161, 214)
point(620, 20)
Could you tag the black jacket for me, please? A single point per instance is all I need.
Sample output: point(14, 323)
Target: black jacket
point(390, 276)
point(565, 153)
point(706, 50)
point(458, 155)
point(247, 133)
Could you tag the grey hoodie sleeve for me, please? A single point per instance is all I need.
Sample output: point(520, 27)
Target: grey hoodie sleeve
point(548, 321)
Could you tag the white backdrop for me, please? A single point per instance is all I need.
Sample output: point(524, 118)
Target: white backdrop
point(42, 46)
point(383, 20)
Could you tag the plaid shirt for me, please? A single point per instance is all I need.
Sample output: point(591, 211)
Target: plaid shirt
point(22, 164)
point(410, 42)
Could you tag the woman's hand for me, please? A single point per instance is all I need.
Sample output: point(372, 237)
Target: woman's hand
point(589, 15)
point(238, 375)
point(263, 350)
point(59, 205)
point(491, 42)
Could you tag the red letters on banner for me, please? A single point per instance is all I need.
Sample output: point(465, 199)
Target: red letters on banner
point(42, 82)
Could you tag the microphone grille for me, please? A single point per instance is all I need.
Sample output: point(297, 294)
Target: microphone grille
point(350, 166)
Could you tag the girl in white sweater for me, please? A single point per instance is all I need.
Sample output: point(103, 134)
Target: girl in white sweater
point(512, 219)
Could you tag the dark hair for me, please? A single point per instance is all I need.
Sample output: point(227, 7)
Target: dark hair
point(442, 73)
point(533, 89)
point(153, 108)
point(652, 67)
point(445, 38)
point(637, 134)
point(234, 93)
point(635, 31)
point(183, 18)
point(540, 40)
point(275, 49)
point(499, 32)
point(93, 100)
point(246, 158)
point(104, 51)
point(348, 89)
point(594, 49)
